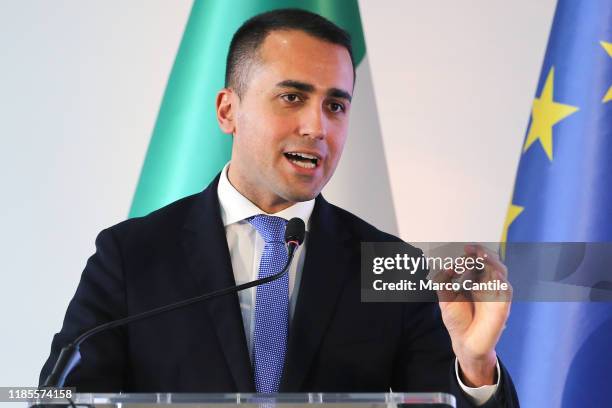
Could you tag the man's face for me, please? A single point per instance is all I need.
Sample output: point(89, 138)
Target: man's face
point(291, 122)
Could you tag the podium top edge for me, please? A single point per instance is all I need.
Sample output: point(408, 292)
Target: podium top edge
point(354, 399)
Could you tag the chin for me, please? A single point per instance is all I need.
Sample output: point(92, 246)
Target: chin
point(298, 196)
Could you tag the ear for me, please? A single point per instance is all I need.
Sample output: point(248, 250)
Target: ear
point(226, 110)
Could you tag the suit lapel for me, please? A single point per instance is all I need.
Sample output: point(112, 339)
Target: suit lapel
point(323, 277)
point(209, 262)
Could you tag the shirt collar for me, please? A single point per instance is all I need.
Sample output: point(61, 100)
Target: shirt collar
point(235, 207)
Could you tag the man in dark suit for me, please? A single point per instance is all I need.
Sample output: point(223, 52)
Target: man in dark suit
point(289, 84)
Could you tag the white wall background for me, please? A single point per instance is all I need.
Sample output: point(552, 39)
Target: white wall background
point(81, 83)
point(454, 82)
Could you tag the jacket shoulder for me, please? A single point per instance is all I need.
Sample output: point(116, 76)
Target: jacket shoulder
point(361, 229)
point(165, 220)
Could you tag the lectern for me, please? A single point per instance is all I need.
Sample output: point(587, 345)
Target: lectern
point(306, 400)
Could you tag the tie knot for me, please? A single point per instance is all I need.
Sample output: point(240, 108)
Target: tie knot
point(272, 229)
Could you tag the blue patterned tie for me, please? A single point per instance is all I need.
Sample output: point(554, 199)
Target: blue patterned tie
point(271, 306)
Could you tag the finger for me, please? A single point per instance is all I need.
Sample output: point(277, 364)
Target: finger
point(500, 291)
point(445, 276)
point(490, 285)
point(504, 295)
point(488, 256)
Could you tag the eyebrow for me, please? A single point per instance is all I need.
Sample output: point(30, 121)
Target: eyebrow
point(305, 87)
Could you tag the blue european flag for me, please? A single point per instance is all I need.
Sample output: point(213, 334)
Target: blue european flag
point(560, 354)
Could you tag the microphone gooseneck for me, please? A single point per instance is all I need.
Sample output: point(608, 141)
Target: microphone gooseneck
point(70, 355)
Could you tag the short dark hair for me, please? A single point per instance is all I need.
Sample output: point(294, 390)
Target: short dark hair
point(249, 37)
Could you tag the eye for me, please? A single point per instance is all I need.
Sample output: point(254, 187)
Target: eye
point(336, 107)
point(291, 97)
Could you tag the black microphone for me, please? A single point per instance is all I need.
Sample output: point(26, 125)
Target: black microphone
point(70, 355)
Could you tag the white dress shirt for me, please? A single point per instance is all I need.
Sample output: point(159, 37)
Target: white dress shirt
point(246, 247)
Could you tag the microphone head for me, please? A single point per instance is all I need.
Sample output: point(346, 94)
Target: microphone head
point(295, 231)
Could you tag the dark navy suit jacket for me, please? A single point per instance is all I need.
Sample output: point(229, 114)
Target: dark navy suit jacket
point(336, 342)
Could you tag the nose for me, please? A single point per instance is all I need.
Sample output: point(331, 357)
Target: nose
point(313, 122)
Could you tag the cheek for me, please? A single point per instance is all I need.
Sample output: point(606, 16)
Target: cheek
point(336, 144)
point(279, 127)
point(267, 128)
point(250, 135)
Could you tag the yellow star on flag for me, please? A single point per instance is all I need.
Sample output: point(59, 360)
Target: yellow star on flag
point(544, 114)
point(608, 47)
point(513, 212)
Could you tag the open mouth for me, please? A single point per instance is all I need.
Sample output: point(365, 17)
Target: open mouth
point(305, 160)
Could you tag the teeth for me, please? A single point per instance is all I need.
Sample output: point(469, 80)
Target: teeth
point(306, 165)
point(306, 156)
point(305, 160)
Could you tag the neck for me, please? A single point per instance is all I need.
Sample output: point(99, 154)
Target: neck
point(268, 203)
